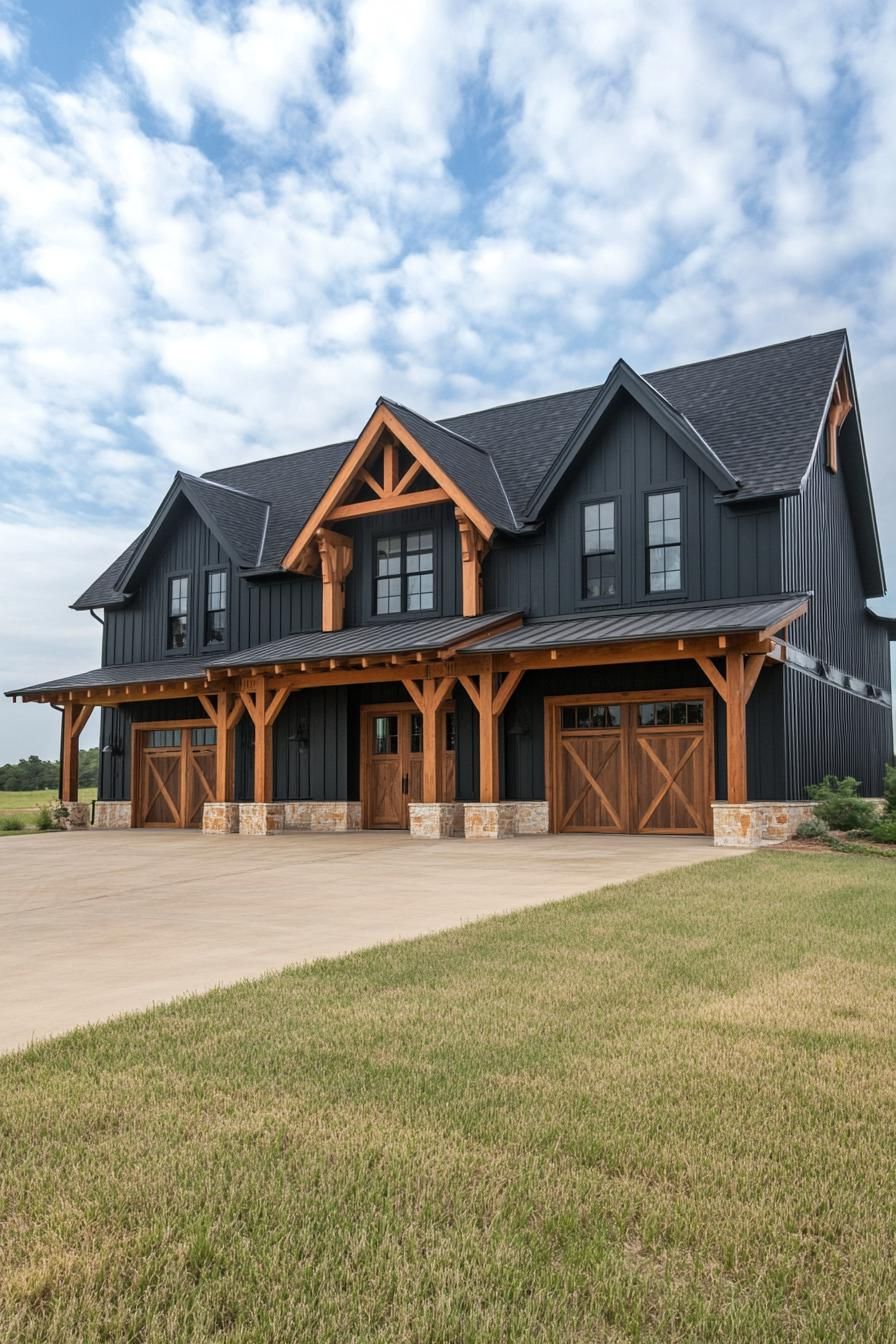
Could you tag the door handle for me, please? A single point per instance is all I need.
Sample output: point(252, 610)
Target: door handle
point(404, 784)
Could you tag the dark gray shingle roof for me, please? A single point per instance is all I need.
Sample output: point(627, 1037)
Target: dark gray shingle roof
point(706, 618)
point(759, 411)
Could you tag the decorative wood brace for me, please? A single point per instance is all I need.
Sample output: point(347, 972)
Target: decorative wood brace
point(841, 405)
point(735, 687)
point(429, 696)
point(263, 706)
point(473, 547)
point(490, 701)
point(335, 552)
point(74, 717)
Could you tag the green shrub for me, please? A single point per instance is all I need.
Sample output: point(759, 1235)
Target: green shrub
point(45, 820)
point(884, 831)
point(813, 829)
point(839, 806)
point(890, 790)
point(11, 822)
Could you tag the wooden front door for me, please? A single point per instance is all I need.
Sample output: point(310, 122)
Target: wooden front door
point(631, 763)
point(392, 763)
point(175, 775)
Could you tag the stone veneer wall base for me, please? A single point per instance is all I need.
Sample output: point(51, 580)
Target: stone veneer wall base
point(751, 825)
point(305, 816)
point(220, 818)
point(111, 816)
point(261, 818)
point(435, 821)
point(498, 821)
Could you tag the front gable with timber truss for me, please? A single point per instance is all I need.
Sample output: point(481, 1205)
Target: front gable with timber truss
point(399, 461)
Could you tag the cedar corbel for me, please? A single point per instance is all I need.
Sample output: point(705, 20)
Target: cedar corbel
point(473, 547)
point(841, 405)
point(336, 558)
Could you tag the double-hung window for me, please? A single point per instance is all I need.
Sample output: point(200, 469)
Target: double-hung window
point(664, 541)
point(404, 573)
point(599, 562)
point(178, 612)
point(216, 606)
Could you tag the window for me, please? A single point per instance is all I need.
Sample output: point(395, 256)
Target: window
point(404, 573)
point(216, 606)
point(599, 560)
point(664, 542)
point(164, 737)
point(590, 716)
point(178, 612)
point(670, 714)
point(203, 737)
point(385, 735)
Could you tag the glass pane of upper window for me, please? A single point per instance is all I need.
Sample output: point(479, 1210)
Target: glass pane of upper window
point(404, 568)
point(203, 737)
point(215, 606)
point(178, 612)
point(664, 541)
point(599, 565)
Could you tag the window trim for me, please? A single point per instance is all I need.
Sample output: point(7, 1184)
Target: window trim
point(190, 640)
point(224, 645)
point(678, 594)
point(420, 614)
point(615, 599)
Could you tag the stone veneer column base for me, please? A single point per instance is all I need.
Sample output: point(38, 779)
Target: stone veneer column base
point(109, 816)
point(70, 816)
point(435, 821)
point(261, 818)
point(305, 816)
point(749, 825)
point(220, 818)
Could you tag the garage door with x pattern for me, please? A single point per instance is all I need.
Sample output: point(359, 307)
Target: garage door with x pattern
point(177, 776)
point(627, 764)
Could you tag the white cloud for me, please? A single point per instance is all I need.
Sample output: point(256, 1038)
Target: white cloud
point(242, 69)
point(11, 43)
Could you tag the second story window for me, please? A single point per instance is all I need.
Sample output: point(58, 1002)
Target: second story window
point(664, 542)
point(599, 561)
point(216, 606)
point(404, 573)
point(178, 612)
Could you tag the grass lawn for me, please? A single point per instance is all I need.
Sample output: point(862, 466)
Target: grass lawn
point(24, 800)
point(660, 1112)
point(26, 803)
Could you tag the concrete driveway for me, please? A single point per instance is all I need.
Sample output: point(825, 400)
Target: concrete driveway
point(96, 924)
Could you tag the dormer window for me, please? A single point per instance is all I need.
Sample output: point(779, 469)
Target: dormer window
point(216, 606)
point(178, 611)
point(404, 573)
point(599, 562)
point(664, 542)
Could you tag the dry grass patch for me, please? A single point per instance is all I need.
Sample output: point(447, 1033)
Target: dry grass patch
point(659, 1112)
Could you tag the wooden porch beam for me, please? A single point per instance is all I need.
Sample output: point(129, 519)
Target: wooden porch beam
point(754, 664)
point(713, 675)
point(363, 508)
point(415, 691)
point(506, 689)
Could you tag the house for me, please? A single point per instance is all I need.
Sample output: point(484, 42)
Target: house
point(634, 607)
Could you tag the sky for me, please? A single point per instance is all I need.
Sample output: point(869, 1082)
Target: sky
point(226, 228)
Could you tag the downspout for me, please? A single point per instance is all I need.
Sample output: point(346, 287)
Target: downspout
point(98, 619)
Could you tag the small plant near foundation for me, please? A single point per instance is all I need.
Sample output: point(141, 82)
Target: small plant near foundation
point(812, 829)
point(11, 823)
point(890, 790)
point(839, 806)
point(45, 819)
point(884, 831)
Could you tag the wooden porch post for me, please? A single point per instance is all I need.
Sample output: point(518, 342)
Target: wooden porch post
point(74, 717)
point(490, 702)
point(429, 697)
point(736, 728)
point(230, 711)
point(264, 707)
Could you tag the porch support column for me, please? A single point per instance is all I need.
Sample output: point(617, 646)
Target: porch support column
point(429, 697)
point(490, 700)
point(735, 688)
point(264, 707)
point(230, 710)
point(74, 717)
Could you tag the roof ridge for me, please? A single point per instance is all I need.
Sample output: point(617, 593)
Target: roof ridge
point(461, 438)
point(751, 350)
point(220, 485)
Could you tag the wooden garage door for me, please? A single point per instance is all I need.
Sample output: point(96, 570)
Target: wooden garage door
point(176, 775)
point(632, 764)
